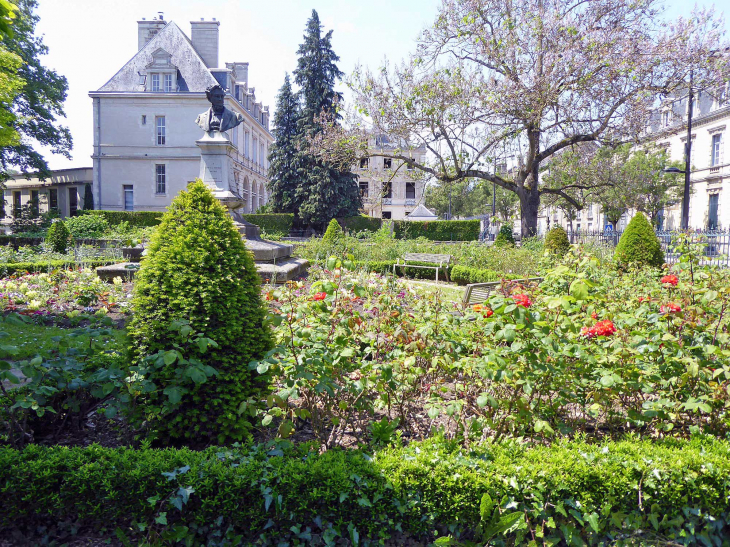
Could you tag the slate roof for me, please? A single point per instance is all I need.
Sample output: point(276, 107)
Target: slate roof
point(193, 75)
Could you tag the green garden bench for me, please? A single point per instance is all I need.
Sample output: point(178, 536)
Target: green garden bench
point(439, 262)
point(476, 293)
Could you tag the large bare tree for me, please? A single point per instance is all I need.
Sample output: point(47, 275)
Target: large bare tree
point(542, 75)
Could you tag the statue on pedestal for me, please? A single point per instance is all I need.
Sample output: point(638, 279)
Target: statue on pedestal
point(217, 117)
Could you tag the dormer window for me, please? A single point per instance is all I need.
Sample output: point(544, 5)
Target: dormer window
point(162, 74)
point(666, 118)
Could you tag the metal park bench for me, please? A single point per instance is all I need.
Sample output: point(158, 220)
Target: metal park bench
point(440, 262)
point(476, 293)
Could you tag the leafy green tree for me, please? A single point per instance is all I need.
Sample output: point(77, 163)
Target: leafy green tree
point(40, 103)
point(325, 191)
point(8, 12)
point(10, 87)
point(639, 244)
point(198, 270)
point(283, 174)
point(468, 198)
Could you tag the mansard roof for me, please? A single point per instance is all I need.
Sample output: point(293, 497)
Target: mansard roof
point(191, 68)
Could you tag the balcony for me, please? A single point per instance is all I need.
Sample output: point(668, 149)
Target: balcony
point(410, 201)
point(387, 201)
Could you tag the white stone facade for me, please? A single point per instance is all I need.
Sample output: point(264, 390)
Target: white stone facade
point(144, 121)
point(388, 187)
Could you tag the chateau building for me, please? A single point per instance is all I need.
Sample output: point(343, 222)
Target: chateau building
point(709, 204)
point(388, 187)
point(145, 133)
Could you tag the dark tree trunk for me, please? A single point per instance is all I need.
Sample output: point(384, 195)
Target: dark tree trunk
point(529, 205)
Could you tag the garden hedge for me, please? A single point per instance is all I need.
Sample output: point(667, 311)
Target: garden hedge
point(637, 492)
point(464, 275)
point(272, 223)
point(140, 219)
point(10, 268)
point(639, 244)
point(438, 230)
point(360, 223)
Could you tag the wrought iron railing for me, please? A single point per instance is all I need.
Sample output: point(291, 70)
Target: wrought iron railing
point(716, 251)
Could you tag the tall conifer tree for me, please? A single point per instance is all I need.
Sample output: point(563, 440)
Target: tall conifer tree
point(324, 192)
point(283, 175)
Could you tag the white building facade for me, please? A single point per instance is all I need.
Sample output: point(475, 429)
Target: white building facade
point(144, 120)
point(709, 205)
point(389, 188)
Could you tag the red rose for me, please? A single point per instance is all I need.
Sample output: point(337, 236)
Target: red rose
point(670, 280)
point(488, 313)
point(522, 300)
point(602, 328)
point(320, 296)
point(671, 307)
point(594, 315)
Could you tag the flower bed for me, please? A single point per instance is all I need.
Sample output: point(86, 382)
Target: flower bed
point(63, 292)
point(592, 351)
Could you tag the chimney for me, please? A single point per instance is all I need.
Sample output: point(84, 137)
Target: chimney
point(204, 35)
point(146, 30)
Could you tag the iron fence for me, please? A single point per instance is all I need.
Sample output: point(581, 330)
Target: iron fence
point(716, 251)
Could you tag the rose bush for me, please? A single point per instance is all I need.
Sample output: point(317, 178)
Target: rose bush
point(542, 365)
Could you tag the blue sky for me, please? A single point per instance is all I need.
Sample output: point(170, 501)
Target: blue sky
point(89, 40)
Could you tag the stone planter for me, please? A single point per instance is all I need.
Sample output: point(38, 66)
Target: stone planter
point(133, 254)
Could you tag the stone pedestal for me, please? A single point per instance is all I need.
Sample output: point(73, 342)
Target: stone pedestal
point(216, 168)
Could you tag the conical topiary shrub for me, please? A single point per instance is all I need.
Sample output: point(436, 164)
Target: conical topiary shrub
point(58, 237)
point(333, 234)
point(198, 270)
point(639, 244)
point(557, 242)
point(505, 237)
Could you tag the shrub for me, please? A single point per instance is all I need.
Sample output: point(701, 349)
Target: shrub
point(333, 234)
point(639, 244)
point(141, 219)
point(88, 198)
point(361, 223)
point(58, 237)
point(198, 270)
point(87, 226)
point(464, 275)
point(574, 493)
point(11, 268)
point(504, 237)
point(557, 242)
point(438, 230)
point(274, 224)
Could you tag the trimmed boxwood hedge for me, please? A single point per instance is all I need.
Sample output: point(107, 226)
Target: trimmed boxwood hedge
point(573, 493)
point(464, 275)
point(272, 223)
point(360, 223)
point(10, 268)
point(141, 219)
point(438, 230)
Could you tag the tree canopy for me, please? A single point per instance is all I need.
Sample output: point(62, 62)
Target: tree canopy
point(545, 74)
point(283, 175)
point(37, 107)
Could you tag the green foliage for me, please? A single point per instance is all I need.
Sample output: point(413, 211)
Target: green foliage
point(464, 275)
point(39, 106)
point(198, 269)
point(639, 244)
point(360, 223)
point(13, 268)
point(557, 242)
point(272, 223)
point(140, 219)
point(333, 234)
point(283, 174)
point(88, 198)
point(63, 388)
point(59, 237)
point(438, 230)
point(468, 198)
point(574, 493)
point(504, 237)
point(10, 87)
point(87, 226)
